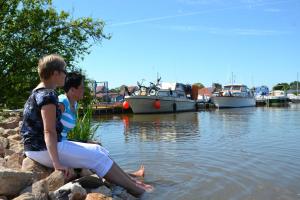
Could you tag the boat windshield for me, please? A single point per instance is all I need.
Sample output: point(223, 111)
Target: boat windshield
point(236, 87)
point(227, 87)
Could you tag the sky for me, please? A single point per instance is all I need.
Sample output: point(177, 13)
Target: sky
point(253, 42)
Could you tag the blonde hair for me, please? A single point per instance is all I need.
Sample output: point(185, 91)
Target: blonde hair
point(49, 64)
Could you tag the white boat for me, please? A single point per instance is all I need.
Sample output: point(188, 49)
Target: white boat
point(294, 98)
point(162, 98)
point(234, 96)
point(278, 98)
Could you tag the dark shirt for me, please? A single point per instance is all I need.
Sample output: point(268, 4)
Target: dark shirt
point(32, 129)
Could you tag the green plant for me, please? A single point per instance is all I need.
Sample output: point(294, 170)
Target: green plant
point(84, 129)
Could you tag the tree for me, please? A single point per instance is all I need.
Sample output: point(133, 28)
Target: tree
point(293, 85)
point(282, 86)
point(200, 85)
point(30, 29)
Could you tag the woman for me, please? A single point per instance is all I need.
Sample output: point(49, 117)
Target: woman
point(41, 132)
point(74, 89)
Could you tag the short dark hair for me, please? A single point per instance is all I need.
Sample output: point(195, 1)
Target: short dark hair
point(73, 79)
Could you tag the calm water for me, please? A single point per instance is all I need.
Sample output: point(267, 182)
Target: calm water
point(249, 153)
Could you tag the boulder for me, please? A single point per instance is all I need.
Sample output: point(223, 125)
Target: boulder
point(4, 142)
point(10, 123)
point(2, 151)
point(14, 161)
point(39, 171)
point(3, 198)
point(40, 189)
point(8, 152)
point(2, 162)
point(1, 131)
point(55, 180)
point(103, 190)
point(97, 196)
point(12, 181)
point(15, 136)
point(72, 191)
point(25, 196)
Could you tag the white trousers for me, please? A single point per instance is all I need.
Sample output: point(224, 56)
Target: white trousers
point(77, 155)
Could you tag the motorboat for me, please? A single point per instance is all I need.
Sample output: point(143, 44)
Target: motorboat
point(234, 96)
point(162, 98)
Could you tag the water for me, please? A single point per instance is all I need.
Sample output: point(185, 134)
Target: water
point(248, 153)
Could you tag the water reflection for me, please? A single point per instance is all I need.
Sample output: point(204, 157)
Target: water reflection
point(158, 127)
point(249, 153)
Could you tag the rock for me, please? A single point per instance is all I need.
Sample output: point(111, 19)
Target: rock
point(55, 180)
point(16, 146)
point(2, 151)
point(92, 181)
point(72, 191)
point(40, 189)
point(97, 196)
point(12, 181)
point(3, 198)
point(2, 162)
point(25, 196)
point(16, 136)
point(4, 142)
point(10, 123)
point(14, 161)
point(8, 152)
point(1, 131)
point(118, 191)
point(77, 192)
point(39, 171)
point(103, 190)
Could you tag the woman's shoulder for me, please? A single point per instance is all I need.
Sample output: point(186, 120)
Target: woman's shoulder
point(45, 96)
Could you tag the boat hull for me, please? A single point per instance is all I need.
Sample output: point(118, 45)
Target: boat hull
point(233, 102)
point(146, 104)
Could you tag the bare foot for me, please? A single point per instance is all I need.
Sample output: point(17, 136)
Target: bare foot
point(146, 187)
point(140, 172)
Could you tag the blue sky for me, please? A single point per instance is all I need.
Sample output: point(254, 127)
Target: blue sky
point(258, 41)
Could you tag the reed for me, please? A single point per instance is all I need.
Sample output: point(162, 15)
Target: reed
point(84, 130)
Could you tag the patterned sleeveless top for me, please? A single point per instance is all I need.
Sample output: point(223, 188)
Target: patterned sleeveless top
point(32, 129)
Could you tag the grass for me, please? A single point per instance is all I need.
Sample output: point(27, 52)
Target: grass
point(84, 130)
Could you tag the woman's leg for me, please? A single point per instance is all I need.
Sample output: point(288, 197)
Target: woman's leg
point(119, 177)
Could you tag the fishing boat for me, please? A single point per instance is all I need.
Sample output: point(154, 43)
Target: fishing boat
point(161, 98)
point(234, 96)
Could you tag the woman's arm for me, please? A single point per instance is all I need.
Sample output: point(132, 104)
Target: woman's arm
point(48, 113)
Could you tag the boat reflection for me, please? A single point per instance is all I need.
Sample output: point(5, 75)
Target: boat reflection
point(161, 127)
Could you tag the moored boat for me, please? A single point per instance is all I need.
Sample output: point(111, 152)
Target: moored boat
point(162, 98)
point(234, 96)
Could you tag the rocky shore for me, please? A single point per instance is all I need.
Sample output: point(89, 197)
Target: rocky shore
point(24, 179)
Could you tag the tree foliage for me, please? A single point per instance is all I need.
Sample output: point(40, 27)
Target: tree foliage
point(30, 29)
point(200, 85)
point(293, 85)
point(282, 86)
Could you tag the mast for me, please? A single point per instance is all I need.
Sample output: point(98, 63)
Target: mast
point(297, 83)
